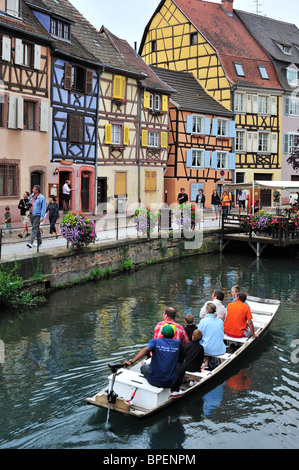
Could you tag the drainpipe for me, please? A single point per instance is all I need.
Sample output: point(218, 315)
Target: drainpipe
point(139, 145)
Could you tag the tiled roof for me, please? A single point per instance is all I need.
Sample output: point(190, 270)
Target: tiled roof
point(150, 80)
point(190, 96)
point(233, 42)
point(86, 42)
point(270, 34)
point(27, 24)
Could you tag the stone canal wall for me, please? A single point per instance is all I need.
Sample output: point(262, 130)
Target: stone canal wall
point(64, 267)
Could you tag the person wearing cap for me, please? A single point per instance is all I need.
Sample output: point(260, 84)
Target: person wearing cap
point(169, 315)
point(166, 369)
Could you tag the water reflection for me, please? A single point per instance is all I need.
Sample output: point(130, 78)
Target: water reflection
point(57, 355)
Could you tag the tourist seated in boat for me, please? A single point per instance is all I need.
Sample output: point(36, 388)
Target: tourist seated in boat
point(167, 367)
point(217, 299)
point(189, 325)
point(212, 329)
point(234, 291)
point(194, 354)
point(238, 322)
point(169, 315)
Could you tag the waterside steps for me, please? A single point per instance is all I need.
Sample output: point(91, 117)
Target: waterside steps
point(237, 227)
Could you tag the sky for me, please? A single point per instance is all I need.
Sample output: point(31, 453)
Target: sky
point(127, 19)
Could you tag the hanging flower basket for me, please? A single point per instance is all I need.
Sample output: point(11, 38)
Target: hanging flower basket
point(187, 216)
point(78, 230)
point(263, 221)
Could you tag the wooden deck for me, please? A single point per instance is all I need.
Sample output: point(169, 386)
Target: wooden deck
point(236, 227)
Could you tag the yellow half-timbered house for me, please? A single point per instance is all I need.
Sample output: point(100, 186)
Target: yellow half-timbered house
point(209, 40)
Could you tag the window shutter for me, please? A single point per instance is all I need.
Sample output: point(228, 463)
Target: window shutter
point(68, 76)
point(89, 82)
point(120, 183)
point(214, 161)
point(255, 141)
point(126, 135)
point(12, 112)
point(44, 116)
point(287, 105)
point(165, 103)
point(150, 181)
point(164, 140)
point(207, 126)
point(249, 104)
point(273, 105)
point(286, 144)
point(76, 129)
point(20, 113)
point(189, 124)
point(144, 138)
point(108, 134)
point(254, 104)
point(274, 143)
point(207, 163)
point(189, 158)
point(215, 127)
point(118, 88)
point(37, 57)
point(146, 99)
point(231, 161)
point(232, 129)
point(18, 52)
point(6, 49)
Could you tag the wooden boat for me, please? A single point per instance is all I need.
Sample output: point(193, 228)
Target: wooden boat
point(128, 392)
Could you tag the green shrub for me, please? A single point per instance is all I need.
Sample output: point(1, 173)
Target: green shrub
point(12, 288)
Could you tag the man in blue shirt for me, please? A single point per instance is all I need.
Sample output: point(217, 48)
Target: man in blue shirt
point(37, 203)
point(166, 369)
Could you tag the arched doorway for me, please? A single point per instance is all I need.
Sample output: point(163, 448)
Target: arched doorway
point(85, 191)
point(36, 179)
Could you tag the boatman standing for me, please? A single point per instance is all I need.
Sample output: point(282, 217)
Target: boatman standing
point(166, 369)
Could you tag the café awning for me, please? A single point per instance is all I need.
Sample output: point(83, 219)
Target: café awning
point(286, 185)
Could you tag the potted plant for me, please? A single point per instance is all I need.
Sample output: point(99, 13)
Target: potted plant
point(146, 219)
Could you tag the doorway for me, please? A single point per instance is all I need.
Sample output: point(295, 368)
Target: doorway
point(63, 177)
point(36, 179)
point(85, 180)
point(265, 193)
point(102, 194)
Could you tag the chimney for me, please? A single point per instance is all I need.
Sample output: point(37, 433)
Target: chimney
point(228, 6)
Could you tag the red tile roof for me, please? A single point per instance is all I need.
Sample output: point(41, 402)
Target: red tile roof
point(233, 42)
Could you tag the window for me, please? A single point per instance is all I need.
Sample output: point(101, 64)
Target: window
point(153, 139)
point(292, 106)
point(75, 129)
point(286, 49)
point(193, 39)
point(263, 72)
point(9, 178)
point(263, 105)
point(239, 69)
point(197, 158)
point(60, 29)
point(289, 142)
point(116, 134)
point(78, 79)
point(150, 181)
point(155, 102)
point(222, 160)
point(12, 7)
point(198, 125)
point(263, 142)
point(154, 46)
point(292, 75)
point(239, 102)
point(29, 115)
point(240, 141)
point(222, 128)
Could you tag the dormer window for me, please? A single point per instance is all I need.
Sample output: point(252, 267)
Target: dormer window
point(239, 69)
point(263, 72)
point(11, 7)
point(292, 75)
point(286, 49)
point(60, 29)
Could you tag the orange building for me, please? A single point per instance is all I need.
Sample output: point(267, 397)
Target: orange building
point(201, 133)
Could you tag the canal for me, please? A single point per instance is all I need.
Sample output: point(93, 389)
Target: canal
point(57, 355)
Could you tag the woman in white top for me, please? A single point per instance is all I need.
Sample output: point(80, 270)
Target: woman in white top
point(217, 298)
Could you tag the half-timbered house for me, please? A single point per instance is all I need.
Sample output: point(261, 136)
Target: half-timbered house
point(209, 40)
point(281, 41)
point(133, 131)
point(24, 105)
point(198, 157)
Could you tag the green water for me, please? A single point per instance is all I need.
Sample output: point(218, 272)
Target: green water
point(57, 355)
